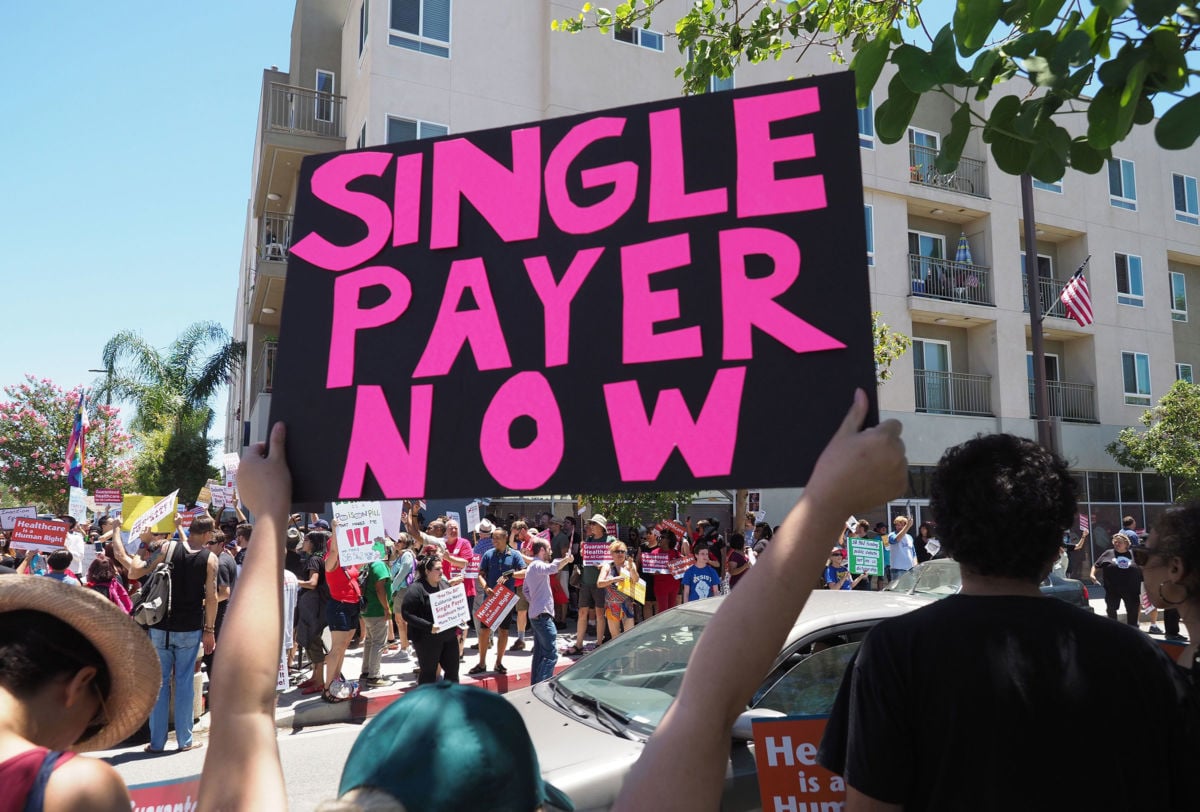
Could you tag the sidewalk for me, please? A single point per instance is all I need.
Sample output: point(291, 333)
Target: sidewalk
point(296, 711)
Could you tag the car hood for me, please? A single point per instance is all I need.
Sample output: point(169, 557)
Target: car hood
point(589, 765)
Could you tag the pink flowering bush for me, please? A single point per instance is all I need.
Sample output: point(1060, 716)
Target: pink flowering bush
point(35, 425)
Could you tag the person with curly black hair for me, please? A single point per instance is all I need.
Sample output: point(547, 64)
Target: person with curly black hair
point(1002, 659)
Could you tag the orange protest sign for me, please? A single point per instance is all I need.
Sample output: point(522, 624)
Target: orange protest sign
point(789, 777)
point(495, 609)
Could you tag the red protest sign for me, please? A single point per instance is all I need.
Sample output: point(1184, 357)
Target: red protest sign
point(679, 566)
point(180, 793)
point(789, 776)
point(675, 527)
point(472, 569)
point(108, 496)
point(39, 534)
point(595, 553)
point(703, 280)
point(655, 561)
point(495, 609)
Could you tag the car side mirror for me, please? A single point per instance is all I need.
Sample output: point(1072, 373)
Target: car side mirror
point(743, 726)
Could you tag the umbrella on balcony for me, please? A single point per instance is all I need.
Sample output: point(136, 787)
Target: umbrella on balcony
point(963, 252)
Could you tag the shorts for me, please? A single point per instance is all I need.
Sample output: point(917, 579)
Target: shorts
point(341, 617)
point(616, 611)
point(522, 604)
point(591, 597)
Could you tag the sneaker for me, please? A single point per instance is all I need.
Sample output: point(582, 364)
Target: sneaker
point(377, 682)
point(403, 657)
point(517, 646)
point(1155, 630)
point(1176, 638)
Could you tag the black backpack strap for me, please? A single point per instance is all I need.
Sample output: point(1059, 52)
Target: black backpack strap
point(37, 793)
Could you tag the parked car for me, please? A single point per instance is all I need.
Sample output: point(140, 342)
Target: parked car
point(590, 722)
point(942, 577)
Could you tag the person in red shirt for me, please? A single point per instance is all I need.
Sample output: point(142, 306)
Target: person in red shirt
point(666, 585)
point(341, 614)
point(458, 555)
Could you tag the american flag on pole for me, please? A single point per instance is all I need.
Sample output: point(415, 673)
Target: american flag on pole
point(1078, 299)
point(75, 446)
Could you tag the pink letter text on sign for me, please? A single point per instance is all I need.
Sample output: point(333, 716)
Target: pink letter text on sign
point(349, 318)
point(522, 469)
point(747, 303)
point(508, 199)
point(758, 191)
point(329, 183)
point(375, 442)
point(569, 217)
point(707, 442)
point(643, 307)
point(557, 297)
point(455, 327)
point(668, 200)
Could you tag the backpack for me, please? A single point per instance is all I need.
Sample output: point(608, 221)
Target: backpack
point(364, 574)
point(153, 602)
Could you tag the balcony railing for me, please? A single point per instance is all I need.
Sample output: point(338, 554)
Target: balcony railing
point(1072, 402)
point(970, 177)
point(264, 371)
point(936, 278)
point(274, 237)
point(953, 393)
point(1049, 291)
point(306, 111)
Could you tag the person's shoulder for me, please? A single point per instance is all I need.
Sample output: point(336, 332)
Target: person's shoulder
point(86, 783)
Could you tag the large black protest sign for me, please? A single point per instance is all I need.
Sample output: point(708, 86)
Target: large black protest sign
point(665, 296)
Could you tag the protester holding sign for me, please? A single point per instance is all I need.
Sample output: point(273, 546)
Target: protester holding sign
point(666, 585)
point(341, 615)
point(434, 645)
point(591, 596)
point(497, 567)
point(837, 574)
point(618, 607)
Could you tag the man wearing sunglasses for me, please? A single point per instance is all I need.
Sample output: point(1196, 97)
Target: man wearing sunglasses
point(1121, 577)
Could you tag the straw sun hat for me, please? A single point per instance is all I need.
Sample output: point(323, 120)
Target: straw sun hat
point(133, 667)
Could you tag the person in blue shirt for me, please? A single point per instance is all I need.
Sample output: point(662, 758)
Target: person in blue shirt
point(837, 574)
point(493, 565)
point(701, 580)
point(59, 561)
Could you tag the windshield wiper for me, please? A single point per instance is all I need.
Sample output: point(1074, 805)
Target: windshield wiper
point(557, 691)
point(610, 717)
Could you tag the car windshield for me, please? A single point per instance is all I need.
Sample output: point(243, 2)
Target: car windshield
point(935, 579)
point(638, 674)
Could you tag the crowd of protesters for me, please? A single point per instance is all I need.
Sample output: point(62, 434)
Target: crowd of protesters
point(77, 672)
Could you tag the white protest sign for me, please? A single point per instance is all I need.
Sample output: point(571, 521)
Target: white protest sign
point(393, 517)
point(472, 518)
point(230, 497)
point(450, 607)
point(453, 514)
point(217, 491)
point(358, 525)
point(163, 508)
point(89, 555)
point(230, 463)
point(7, 515)
point(77, 504)
point(282, 683)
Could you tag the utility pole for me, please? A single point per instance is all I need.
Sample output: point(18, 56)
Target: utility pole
point(1041, 399)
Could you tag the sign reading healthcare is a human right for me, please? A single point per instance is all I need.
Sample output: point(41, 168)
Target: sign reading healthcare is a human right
point(671, 295)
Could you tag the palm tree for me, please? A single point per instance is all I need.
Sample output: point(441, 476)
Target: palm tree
point(171, 390)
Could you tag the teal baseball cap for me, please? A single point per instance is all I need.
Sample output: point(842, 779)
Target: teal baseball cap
point(447, 746)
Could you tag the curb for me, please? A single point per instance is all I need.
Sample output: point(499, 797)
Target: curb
point(317, 711)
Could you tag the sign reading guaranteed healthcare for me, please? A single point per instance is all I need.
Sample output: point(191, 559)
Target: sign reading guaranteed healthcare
point(665, 296)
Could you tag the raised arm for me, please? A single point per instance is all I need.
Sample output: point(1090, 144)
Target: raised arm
point(857, 470)
point(242, 770)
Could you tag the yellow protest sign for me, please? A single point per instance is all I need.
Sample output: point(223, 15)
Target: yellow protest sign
point(133, 506)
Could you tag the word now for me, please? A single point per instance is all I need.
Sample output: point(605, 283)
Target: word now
point(510, 198)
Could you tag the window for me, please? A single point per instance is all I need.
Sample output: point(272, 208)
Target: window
point(922, 150)
point(866, 124)
point(1178, 297)
point(1135, 368)
point(1183, 372)
point(363, 14)
point(931, 363)
point(716, 83)
point(1186, 208)
point(421, 25)
point(324, 85)
point(642, 37)
point(1122, 188)
point(869, 212)
point(362, 136)
point(1055, 187)
point(407, 129)
point(1129, 280)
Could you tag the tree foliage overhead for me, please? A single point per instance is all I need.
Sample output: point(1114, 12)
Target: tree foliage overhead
point(35, 424)
point(1170, 444)
point(629, 509)
point(1135, 52)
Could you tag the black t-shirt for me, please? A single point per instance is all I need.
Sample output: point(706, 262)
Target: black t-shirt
point(1118, 572)
point(559, 545)
point(189, 575)
point(963, 703)
point(293, 562)
point(227, 572)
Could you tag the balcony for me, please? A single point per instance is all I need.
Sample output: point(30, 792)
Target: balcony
point(274, 237)
point(936, 278)
point(264, 370)
point(953, 393)
point(1049, 291)
point(1071, 402)
point(305, 111)
point(970, 178)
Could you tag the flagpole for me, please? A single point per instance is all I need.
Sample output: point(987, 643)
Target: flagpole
point(1041, 398)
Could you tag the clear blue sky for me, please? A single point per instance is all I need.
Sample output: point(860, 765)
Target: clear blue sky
point(127, 141)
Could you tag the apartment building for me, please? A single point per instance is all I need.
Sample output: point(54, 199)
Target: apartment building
point(945, 251)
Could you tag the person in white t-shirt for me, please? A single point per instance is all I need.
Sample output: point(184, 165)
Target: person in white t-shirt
point(904, 552)
point(74, 544)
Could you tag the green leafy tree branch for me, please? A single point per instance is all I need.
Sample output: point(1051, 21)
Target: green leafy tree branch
point(1170, 443)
